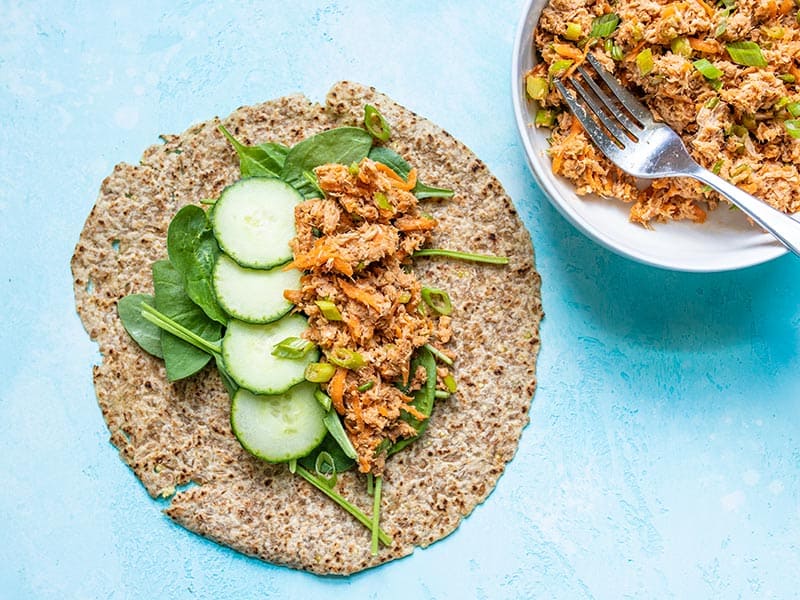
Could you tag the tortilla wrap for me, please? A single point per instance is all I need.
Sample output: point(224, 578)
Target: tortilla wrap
point(175, 434)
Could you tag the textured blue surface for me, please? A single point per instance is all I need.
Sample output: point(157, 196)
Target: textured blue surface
point(662, 457)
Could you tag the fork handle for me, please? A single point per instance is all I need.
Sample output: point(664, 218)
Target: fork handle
point(781, 225)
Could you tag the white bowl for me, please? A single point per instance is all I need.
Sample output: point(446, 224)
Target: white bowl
point(724, 242)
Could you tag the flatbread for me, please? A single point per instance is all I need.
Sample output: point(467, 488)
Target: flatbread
point(177, 434)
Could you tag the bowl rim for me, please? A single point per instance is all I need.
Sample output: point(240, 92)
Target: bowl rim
point(530, 9)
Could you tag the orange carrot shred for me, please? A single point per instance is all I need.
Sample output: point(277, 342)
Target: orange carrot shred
point(336, 389)
point(704, 46)
point(406, 224)
point(359, 294)
point(567, 50)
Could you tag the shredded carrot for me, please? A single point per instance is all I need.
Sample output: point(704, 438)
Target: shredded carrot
point(632, 54)
point(794, 70)
point(709, 11)
point(336, 389)
point(320, 254)
point(786, 6)
point(398, 181)
point(412, 410)
point(359, 294)
point(406, 224)
point(704, 46)
point(558, 161)
point(567, 50)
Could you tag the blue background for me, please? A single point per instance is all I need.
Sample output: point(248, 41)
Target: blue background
point(662, 455)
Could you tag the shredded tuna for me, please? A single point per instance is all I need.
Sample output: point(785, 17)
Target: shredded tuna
point(734, 127)
point(353, 246)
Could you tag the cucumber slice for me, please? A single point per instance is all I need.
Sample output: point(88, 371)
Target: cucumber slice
point(247, 355)
point(253, 295)
point(281, 427)
point(253, 221)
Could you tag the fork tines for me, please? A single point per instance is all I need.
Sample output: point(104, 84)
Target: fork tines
point(618, 116)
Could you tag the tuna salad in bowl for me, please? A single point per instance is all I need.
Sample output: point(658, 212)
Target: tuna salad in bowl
point(725, 75)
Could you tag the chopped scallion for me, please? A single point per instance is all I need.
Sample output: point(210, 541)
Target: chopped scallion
point(787, 78)
point(573, 32)
point(481, 258)
point(325, 468)
point(559, 66)
point(329, 310)
point(793, 128)
point(292, 347)
point(323, 398)
point(793, 108)
point(536, 87)
point(439, 354)
point(382, 201)
point(319, 372)
point(746, 53)
point(366, 386)
point(544, 118)
point(644, 61)
point(353, 169)
point(349, 359)
point(681, 47)
point(707, 69)
point(438, 300)
point(375, 123)
point(450, 383)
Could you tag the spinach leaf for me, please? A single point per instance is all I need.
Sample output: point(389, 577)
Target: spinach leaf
point(193, 250)
point(143, 332)
point(399, 165)
point(264, 160)
point(341, 461)
point(181, 358)
point(423, 398)
point(343, 145)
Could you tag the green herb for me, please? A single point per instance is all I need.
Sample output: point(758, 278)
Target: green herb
point(264, 160)
point(325, 468)
point(681, 47)
point(366, 386)
point(793, 108)
point(348, 359)
point(342, 145)
point(644, 61)
point(193, 251)
point(479, 258)
point(404, 297)
point(707, 69)
point(376, 515)
point(181, 358)
point(604, 25)
point(746, 53)
point(398, 164)
point(613, 50)
point(536, 87)
point(423, 398)
point(792, 127)
point(143, 332)
point(557, 67)
point(350, 508)
point(787, 78)
point(573, 32)
point(376, 124)
point(293, 348)
point(438, 300)
point(319, 372)
point(329, 310)
point(353, 169)
point(450, 383)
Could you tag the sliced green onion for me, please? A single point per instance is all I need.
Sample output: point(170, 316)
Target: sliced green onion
point(793, 108)
point(738, 130)
point(747, 54)
point(681, 47)
point(715, 170)
point(404, 297)
point(293, 466)
point(375, 123)
point(349, 359)
point(644, 61)
point(722, 26)
point(319, 372)
point(776, 32)
point(740, 169)
point(573, 32)
point(439, 354)
point(353, 169)
point(712, 102)
point(749, 121)
point(793, 128)
point(366, 386)
point(370, 484)
point(604, 25)
point(438, 300)
point(559, 67)
point(781, 103)
point(382, 201)
point(441, 394)
point(787, 78)
point(292, 347)
point(613, 50)
point(323, 398)
point(450, 383)
point(480, 258)
point(329, 310)
point(325, 468)
point(536, 87)
point(544, 118)
point(707, 69)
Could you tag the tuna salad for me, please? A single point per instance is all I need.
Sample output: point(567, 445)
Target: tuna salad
point(725, 75)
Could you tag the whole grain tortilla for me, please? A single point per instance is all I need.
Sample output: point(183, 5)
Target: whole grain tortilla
point(174, 434)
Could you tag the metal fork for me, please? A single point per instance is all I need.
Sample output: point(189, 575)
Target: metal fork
point(649, 150)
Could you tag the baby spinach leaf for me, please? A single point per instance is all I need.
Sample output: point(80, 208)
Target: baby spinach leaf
point(343, 145)
point(193, 250)
point(181, 358)
point(143, 332)
point(399, 165)
point(263, 160)
point(423, 398)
